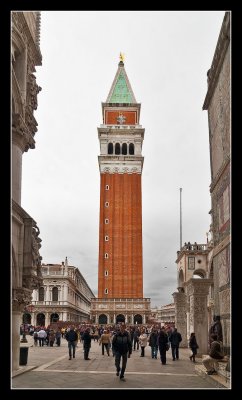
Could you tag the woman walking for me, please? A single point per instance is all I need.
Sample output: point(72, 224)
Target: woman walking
point(193, 346)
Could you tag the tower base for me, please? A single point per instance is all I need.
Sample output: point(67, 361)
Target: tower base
point(113, 311)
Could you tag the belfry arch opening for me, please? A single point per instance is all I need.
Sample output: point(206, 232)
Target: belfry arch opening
point(131, 149)
point(110, 148)
point(117, 148)
point(124, 148)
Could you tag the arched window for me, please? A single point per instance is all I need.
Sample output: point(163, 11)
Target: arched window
point(117, 148)
point(124, 148)
point(131, 148)
point(55, 294)
point(110, 148)
point(41, 294)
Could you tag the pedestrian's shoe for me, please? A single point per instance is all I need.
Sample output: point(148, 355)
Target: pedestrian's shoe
point(69, 358)
point(190, 358)
point(122, 378)
point(73, 356)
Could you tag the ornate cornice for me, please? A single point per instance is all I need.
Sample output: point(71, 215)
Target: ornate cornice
point(220, 51)
point(127, 131)
point(120, 164)
point(20, 24)
point(198, 286)
point(21, 134)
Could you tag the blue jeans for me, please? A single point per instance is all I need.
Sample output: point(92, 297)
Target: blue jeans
point(72, 345)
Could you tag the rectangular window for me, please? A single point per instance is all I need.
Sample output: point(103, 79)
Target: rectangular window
point(106, 204)
point(106, 221)
point(106, 238)
point(106, 291)
point(106, 273)
point(191, 262)
point(107, 187)
point(106, 255)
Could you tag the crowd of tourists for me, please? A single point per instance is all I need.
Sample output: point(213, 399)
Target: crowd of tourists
point(120, 341)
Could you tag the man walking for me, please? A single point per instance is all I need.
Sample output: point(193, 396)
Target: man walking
point(123, 348)
point(72, 338)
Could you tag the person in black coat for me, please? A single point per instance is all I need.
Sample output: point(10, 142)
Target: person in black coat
point(193, 346)
point(162, 342)
point(72, 338)
point(123, 349)
point(175, 340)
point(86, 343)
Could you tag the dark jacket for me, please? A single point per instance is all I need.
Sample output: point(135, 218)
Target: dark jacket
point(122, 343)
point(193, 342)
point(215, 351)
point(71, 336)
point(87, 340)
point(175, 339)
point(153, 339)
point(162, 340)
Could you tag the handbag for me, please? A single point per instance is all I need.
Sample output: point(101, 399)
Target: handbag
point(167, 346)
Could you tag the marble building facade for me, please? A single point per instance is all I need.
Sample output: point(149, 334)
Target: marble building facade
point(26, 259)
point(64, 296)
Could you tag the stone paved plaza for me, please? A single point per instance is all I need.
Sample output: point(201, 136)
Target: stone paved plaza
point(50, 368)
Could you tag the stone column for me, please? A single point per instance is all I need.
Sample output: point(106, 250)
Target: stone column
point(20, 298)
point(181, 316)
point(197, 291)
point(34, 318)
point(65, 293)
point(16, 172)
point(16, 322)
point(144, 321)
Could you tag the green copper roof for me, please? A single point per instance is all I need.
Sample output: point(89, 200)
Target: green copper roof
point(121, 91)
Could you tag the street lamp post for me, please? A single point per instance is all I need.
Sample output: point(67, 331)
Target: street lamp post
point(30, 309)
point(24, 340)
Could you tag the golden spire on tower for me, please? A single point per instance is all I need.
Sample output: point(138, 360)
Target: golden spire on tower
point(121, 57)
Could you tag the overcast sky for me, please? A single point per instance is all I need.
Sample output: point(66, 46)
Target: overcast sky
point(167, 55)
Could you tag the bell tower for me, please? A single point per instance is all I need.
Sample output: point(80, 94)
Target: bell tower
point(120, 266)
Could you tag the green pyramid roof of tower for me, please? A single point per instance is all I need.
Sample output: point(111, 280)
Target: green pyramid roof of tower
point(121, 91)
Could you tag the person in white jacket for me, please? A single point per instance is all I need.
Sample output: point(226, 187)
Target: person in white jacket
point(143, 342)
point(42, 336)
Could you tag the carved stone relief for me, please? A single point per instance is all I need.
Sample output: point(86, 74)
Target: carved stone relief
point(199, 308)
point(21, 297)
point(224, 300)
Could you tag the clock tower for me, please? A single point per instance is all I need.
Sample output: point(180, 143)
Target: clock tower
point(120, 266)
